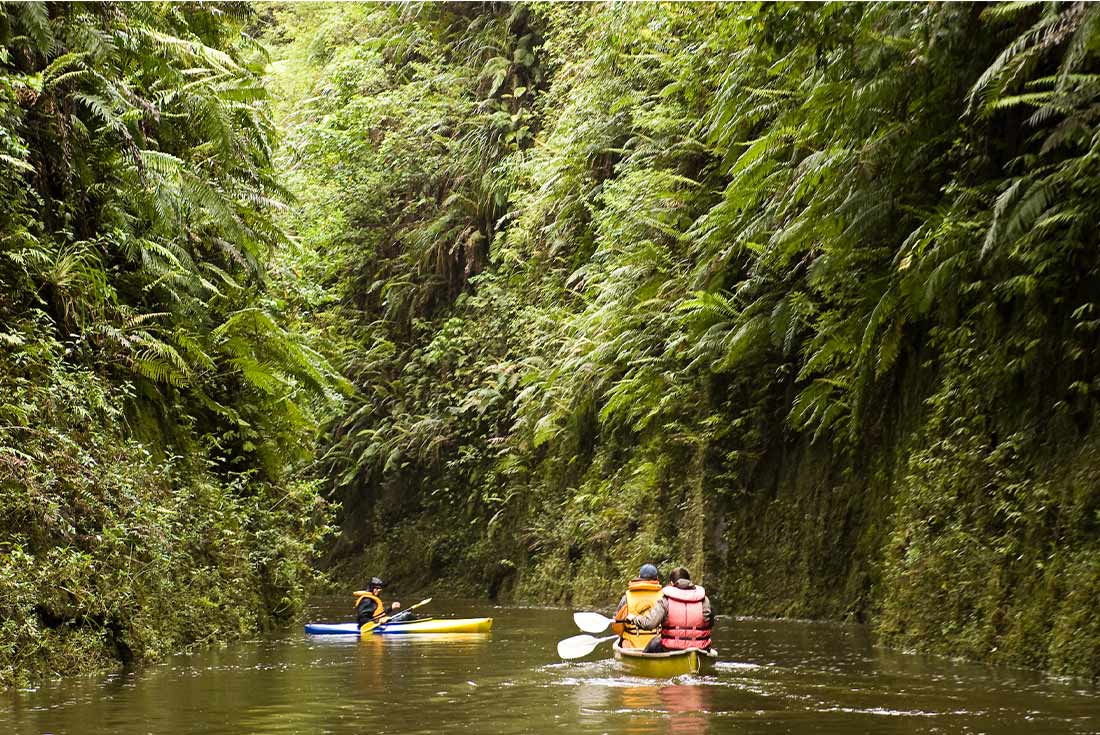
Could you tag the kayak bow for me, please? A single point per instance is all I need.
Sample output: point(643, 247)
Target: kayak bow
point(435, 625)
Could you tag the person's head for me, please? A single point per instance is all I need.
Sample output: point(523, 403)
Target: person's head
point(375, 584)
point(677, 574)
point(648, 571)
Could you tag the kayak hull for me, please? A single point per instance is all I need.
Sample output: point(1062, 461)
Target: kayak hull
point(665, 665)
point(332, 628)
point(432, 625)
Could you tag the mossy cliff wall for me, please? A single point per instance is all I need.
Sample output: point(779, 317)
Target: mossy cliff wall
point(941, 543)
point(803, 297)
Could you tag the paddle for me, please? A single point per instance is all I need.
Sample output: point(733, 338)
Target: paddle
point(581, 645)
point(591, 622)
point(367, 627)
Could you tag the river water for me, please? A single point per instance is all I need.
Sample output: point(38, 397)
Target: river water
point(774, 677)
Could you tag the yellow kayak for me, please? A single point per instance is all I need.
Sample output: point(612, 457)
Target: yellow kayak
point(665, 665)
point(434, 625)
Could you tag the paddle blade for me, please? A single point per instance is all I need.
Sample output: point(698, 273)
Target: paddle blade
point(591, 622)
point(581, 645)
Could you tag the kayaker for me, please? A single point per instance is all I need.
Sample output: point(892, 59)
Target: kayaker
point(368, 605)
point(683, 614)
point(641, 594)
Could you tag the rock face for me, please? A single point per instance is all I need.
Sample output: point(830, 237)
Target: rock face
point(801, 297)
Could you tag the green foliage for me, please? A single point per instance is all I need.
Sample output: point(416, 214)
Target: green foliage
point(156, 390)
point(148, 210)
point(762, 288)
point(111, 553)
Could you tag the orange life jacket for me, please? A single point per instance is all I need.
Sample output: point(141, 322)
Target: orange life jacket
point(379, 610)
point(684, 625)
point(640, 596)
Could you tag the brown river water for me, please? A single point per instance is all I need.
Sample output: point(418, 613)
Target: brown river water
point(774, 677)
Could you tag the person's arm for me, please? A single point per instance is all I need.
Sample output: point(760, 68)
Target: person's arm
point(652, 619)
point(619, 614)
point(708, 613)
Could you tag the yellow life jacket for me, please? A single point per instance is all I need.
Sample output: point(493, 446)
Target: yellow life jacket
point(361, 595)
point(640, 596)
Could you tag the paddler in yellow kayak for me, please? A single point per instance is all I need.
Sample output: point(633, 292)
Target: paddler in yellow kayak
point(641, 594)
point(369, 607)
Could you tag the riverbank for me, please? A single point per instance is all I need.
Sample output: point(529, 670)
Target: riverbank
point(157, 387)
point(115, 554)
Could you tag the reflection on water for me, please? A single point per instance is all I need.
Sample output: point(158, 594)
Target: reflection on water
point(591, 703)
point(687, 708)
point(678, 709)
point(775, 677)
point(644, 706)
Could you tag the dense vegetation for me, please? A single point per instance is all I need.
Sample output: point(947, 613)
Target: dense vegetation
point(801, 296)
point(155, 382)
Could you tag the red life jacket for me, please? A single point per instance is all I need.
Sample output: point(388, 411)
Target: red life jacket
point(684, 625)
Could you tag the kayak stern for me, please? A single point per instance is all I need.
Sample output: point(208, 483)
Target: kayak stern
point(666, 665)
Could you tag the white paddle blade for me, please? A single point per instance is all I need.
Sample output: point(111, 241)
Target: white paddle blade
point(591, 622)
point(580, 645)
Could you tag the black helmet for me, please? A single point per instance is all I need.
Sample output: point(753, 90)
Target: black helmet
point(375, 582)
